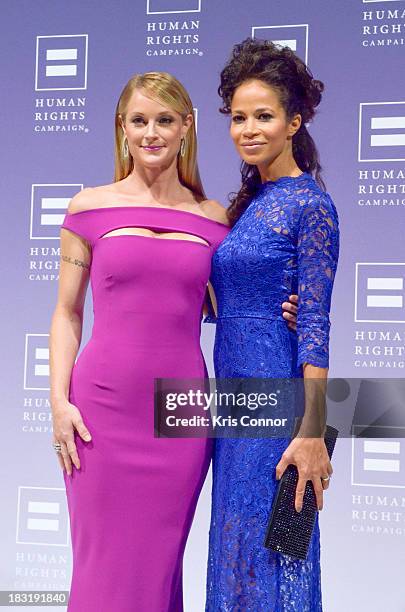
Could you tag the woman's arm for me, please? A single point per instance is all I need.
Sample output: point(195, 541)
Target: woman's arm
point(318, 251)
point(64, 341)
point(307, 451)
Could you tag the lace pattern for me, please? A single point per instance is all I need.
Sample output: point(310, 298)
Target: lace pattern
point(287, 241)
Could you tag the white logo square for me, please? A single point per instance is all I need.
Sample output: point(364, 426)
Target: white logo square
point(381, 131)
point(61, 62)
point(49, 202)
point(378, 462)
point(379, 293)
point(42, 517)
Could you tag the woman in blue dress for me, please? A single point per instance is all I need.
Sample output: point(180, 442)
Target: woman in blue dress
point(284, 240)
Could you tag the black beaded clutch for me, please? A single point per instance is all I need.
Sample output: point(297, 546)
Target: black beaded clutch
point(289, 532)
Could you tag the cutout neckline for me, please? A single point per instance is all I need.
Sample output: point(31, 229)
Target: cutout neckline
point(155, 236)
point(186, 212)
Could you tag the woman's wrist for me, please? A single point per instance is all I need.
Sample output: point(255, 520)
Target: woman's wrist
point(309, 427)
point(58, 400)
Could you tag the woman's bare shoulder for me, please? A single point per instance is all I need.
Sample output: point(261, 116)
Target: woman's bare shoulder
point(215, 211)
point(89, 197)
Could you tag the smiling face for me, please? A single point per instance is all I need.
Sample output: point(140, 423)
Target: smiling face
point(260, 128)
point(154, 131)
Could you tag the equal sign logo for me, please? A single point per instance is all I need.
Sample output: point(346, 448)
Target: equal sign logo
point(379, 293)
point(36, 362)
point(385, 300)
point(58, 69)
point(378, 462)
point(49, 202)
point(380, 447)
point(61, 62)
point(166, 7)
point(293, 36)
point(381, 131)
point(42, 516)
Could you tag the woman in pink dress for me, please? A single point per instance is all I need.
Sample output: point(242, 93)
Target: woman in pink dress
point(145, 243)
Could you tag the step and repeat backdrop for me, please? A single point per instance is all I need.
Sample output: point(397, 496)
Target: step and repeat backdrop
point(63, 67)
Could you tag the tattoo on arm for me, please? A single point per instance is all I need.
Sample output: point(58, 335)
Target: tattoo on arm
point(76, 262)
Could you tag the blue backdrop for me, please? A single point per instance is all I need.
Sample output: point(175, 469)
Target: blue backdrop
point(64, 65)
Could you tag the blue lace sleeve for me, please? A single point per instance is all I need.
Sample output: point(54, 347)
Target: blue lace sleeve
point(318, 252)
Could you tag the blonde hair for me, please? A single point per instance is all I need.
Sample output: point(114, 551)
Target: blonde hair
point(165, 88)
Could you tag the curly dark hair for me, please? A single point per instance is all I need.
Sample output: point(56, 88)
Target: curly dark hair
point(298, 92)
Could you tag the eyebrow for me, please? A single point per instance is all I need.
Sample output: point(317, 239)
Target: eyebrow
point(159, 114)
point(258, 110)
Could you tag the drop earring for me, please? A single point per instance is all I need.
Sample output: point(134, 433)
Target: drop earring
point(125, 150)
point(182, 147)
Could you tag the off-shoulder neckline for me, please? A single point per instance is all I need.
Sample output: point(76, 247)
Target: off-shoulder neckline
point(80, 212)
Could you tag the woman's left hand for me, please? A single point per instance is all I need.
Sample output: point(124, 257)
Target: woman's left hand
point(290, 310)
point(311, 459)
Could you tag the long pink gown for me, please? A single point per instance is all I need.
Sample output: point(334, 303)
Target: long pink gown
point(132, 502)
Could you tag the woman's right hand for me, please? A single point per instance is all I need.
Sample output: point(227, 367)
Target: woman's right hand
point(66, 418)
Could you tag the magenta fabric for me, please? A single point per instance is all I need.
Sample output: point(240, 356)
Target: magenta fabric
point(132, 502)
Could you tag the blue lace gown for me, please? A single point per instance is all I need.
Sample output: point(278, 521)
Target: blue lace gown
point(287, 241)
